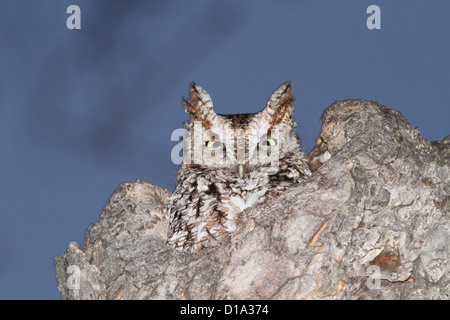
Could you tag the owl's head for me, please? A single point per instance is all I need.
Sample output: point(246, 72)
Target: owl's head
point(240, 142)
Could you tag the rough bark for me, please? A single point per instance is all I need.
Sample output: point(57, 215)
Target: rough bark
point(371, 223)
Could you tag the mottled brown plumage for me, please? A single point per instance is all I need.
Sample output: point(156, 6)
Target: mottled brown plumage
point(230, 163)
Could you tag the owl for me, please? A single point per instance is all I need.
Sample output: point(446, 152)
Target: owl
point(231, 162)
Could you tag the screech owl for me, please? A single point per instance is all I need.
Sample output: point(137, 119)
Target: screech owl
point(231, 162)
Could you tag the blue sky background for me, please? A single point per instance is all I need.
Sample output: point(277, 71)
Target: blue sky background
point(82, 111)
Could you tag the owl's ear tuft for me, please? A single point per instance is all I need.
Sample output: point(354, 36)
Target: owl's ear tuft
point(280, 107)
point(199, 104)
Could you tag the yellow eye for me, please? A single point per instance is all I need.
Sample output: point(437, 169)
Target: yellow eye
point(213, 144)
point(268, 142)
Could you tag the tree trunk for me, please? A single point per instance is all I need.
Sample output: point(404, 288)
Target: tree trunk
point(372, 222)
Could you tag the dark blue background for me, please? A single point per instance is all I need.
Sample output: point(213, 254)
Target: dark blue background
point(82, 111)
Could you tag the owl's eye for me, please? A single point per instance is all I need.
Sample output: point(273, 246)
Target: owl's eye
point(213, 144)
point(268, 142)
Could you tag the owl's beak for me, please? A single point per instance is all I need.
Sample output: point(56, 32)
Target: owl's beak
point(240, 170)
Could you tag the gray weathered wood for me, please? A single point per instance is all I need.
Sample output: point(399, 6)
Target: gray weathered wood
point(372, 222)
